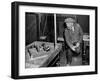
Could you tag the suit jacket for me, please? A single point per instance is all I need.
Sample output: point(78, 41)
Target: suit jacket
point(72, 37)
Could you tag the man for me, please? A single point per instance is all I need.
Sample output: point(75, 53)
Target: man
point(72, 37)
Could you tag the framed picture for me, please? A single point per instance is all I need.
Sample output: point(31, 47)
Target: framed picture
point(50, 40)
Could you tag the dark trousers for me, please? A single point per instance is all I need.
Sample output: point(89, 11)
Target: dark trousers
point(70, 54)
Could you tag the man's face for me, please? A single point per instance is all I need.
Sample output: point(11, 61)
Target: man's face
point(69, 24)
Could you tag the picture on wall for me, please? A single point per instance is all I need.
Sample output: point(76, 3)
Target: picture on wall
point(53, 40)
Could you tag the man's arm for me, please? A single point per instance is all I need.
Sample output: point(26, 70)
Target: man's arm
point(67, 39)
point(80, 34)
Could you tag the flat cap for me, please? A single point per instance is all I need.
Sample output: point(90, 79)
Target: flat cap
point(68, 20)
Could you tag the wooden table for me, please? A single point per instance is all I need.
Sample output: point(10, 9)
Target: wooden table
point(41, 58)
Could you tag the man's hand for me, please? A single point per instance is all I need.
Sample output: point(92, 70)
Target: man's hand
point(76, 48)
point(78, 44)
point(73, 48)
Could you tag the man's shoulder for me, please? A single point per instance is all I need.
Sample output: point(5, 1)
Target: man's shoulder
point(77, 25)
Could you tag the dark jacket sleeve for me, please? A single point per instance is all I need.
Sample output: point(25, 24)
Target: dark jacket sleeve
point(80, 34)
point(67, 39)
